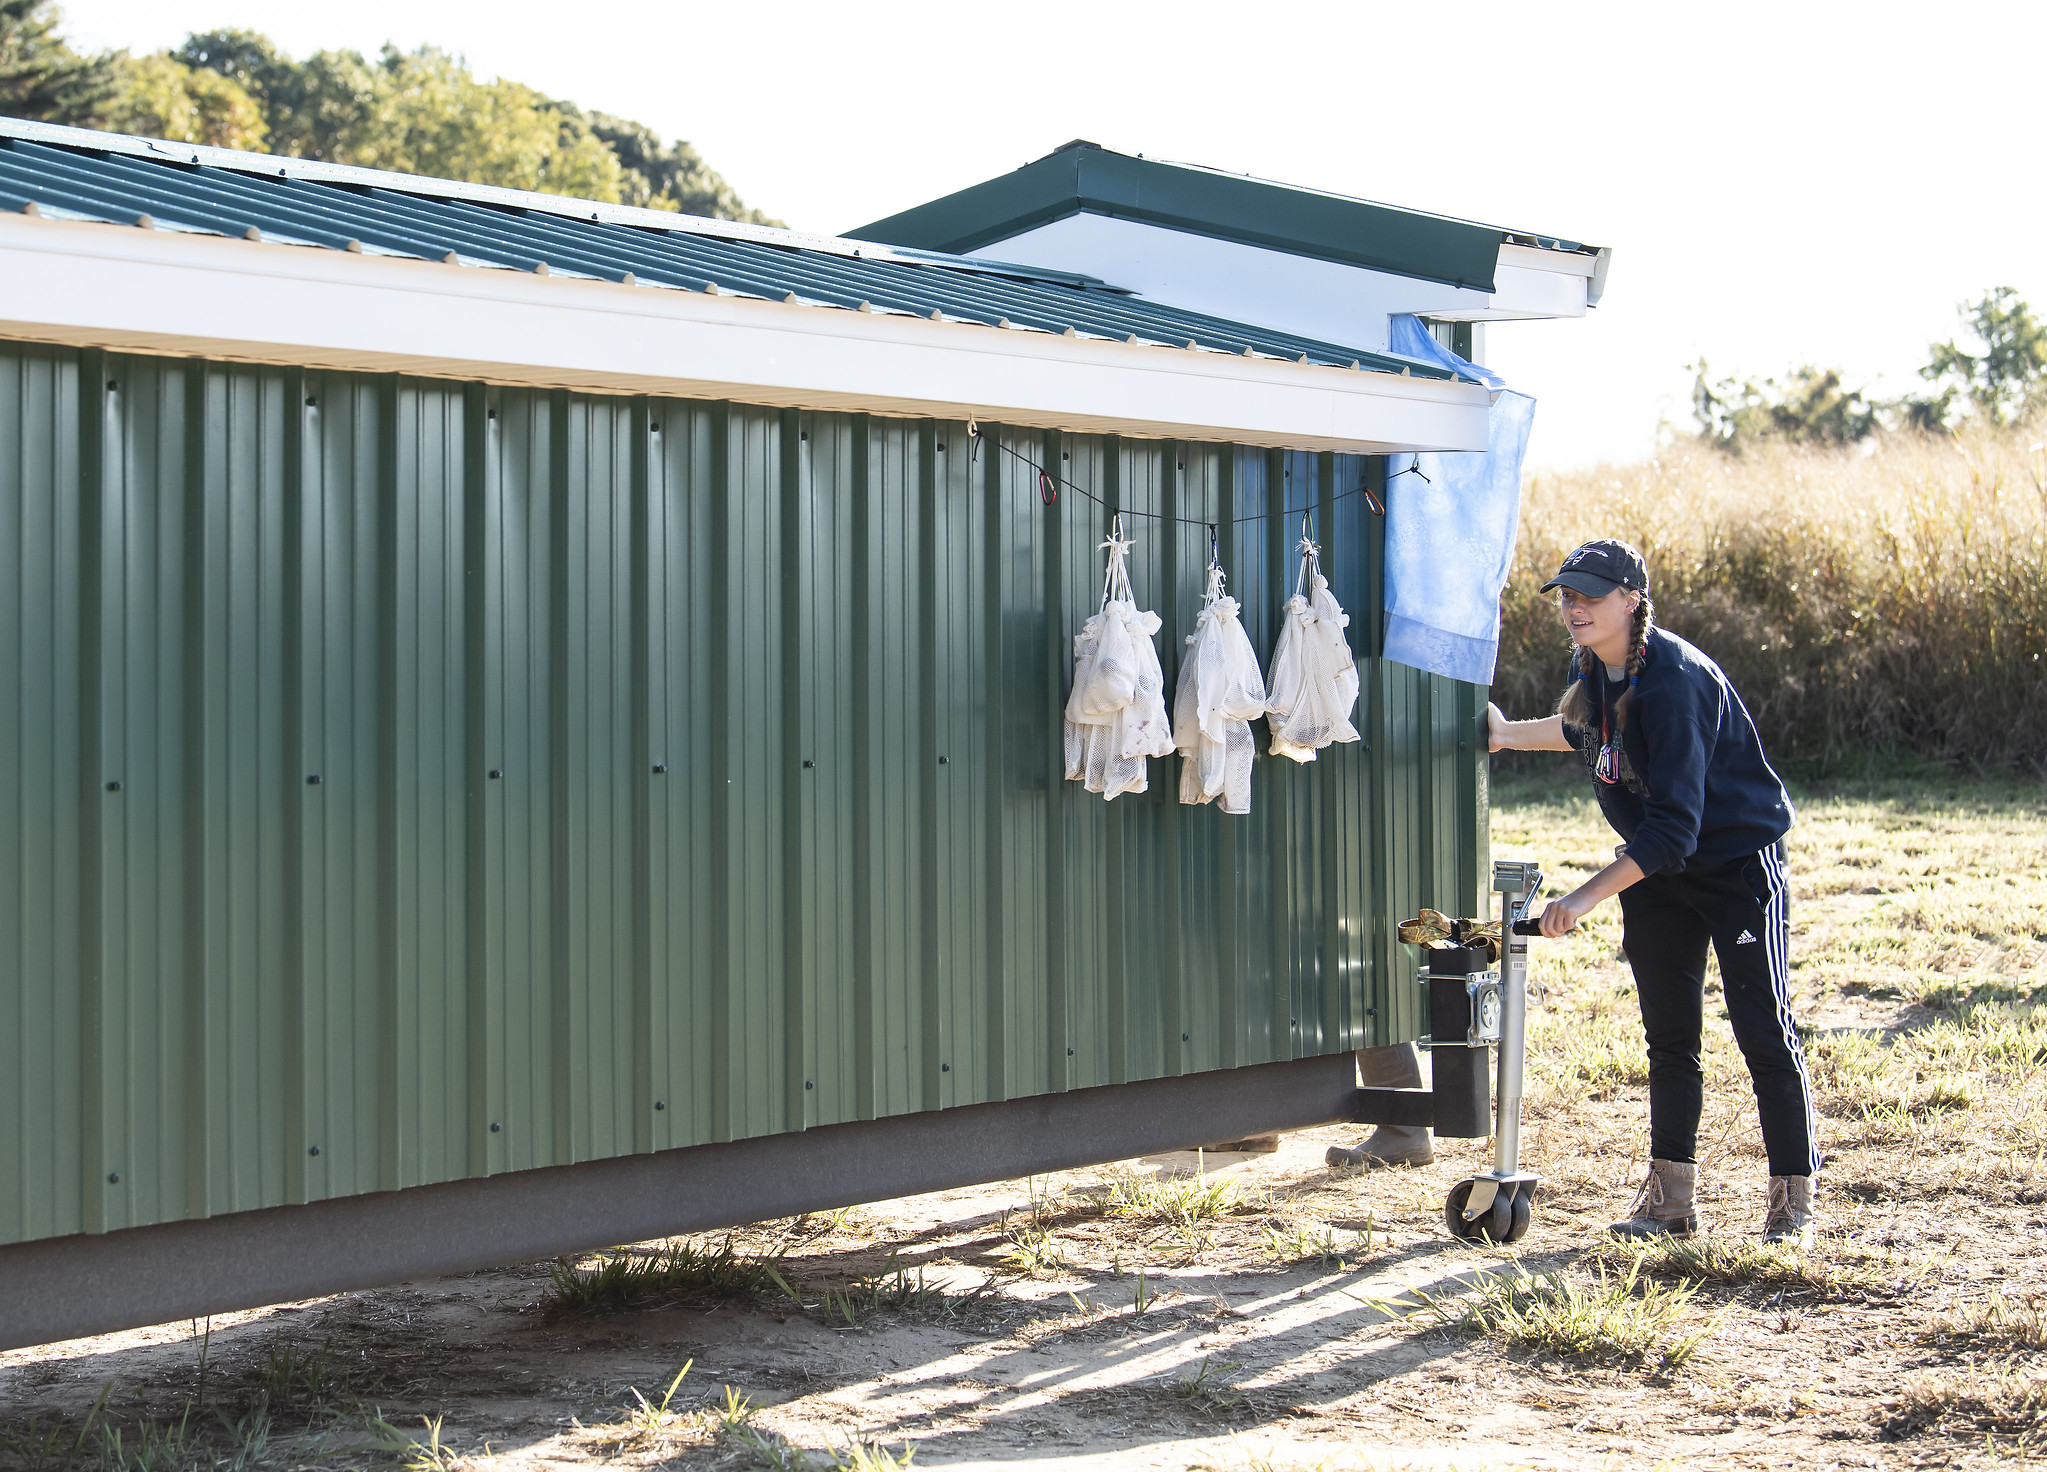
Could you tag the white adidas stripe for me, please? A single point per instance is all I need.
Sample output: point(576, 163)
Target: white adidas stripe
point(1777, 943)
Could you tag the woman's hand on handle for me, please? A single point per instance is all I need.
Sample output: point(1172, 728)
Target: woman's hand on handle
point(1561, 916)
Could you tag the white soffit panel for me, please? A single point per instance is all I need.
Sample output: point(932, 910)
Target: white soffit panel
point(161, 291)
point(1298, 294)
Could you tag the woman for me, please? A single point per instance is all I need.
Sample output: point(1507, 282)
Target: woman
point(1681, 776)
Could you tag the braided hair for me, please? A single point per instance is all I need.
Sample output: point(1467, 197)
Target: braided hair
point(1576, 705)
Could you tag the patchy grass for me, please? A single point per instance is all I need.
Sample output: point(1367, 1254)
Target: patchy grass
point(1029, 1247)
point(1316, 1242)
point(1623, 1316)
point(1996, 1323)
point(872, 1456)
point(1172, 1200)
point(667, 1272)
point(651, 1426)
point(1751, 1263)
point(897, 1290)
point(2001, 1401)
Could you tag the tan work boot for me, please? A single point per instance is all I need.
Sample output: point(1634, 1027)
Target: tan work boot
point(1388, 1145)
point(1790, 1221)
point(1663, 1207)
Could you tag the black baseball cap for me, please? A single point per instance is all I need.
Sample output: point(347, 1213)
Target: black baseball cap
point(1597, 568)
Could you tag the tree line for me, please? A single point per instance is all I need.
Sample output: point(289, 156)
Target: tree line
point(1994, 375)
point(415, 112)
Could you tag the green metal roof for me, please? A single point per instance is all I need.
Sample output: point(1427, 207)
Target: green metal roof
point(72, 173)
point(1085, 178)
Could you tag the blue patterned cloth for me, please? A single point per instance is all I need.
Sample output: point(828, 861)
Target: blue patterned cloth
point(1450, 538)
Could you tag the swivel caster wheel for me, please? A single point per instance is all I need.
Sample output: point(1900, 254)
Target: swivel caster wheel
point(1507, 1221)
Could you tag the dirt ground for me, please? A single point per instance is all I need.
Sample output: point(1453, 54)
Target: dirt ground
point(1265, 1312)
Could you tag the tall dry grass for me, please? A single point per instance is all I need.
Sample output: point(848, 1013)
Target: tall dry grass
point(1889, 598)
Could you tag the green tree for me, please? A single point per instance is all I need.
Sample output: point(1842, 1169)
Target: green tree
point(2004, 382)
point(1811, 406)
point(310, 107)
point(161, 97)
point(416, 112)
point(433, 117)
point(41, 77)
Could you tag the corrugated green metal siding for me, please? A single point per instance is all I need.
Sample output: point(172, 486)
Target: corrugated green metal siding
point(509, 779)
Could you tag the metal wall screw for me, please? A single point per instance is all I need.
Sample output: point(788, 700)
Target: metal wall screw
point(942, 761)
point(113, 1178)
point(945, 1068)
point(659, 1106)
point(494, 774)
point(315, 1150)
point(313, 780)
point(1183, 1037)
point(495, 1126)
point(808, 1084)
point(808, 762)
point(113, 787)
point(660, 768)
point(1069, 1052)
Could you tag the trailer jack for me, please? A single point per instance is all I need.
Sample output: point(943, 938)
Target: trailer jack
point(1472, 1007)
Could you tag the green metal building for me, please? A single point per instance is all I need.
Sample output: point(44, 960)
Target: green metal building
point(531, 724)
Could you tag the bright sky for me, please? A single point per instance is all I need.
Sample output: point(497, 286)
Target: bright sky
point(1780, 182)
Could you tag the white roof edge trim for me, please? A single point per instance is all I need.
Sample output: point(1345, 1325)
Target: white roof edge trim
point(91, 285)
point(1563, 263)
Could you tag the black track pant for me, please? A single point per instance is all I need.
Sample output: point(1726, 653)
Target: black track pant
point(1740, 908)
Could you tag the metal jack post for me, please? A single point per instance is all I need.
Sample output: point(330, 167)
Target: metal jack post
point(1496, 1207)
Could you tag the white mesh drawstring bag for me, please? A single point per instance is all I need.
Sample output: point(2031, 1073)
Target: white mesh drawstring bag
point(1314, 681)
point(1116, 714)
point(1220, 693)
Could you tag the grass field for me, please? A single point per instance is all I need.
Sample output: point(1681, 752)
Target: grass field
point(1890, 596)
point(1273, 1314)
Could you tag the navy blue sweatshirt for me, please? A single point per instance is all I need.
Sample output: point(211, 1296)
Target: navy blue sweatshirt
point(1696, 789)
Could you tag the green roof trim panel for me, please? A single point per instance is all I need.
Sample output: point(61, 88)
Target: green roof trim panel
point(1083, 178)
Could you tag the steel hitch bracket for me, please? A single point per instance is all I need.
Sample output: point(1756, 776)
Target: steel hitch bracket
point(1472, 1009)
point(1496, 1207)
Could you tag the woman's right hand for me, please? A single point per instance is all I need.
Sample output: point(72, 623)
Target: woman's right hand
point(1561, 916)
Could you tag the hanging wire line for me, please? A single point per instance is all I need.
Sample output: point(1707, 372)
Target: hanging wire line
point(1049, 484)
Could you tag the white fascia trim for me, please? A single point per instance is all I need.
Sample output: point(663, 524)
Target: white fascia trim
point(1561, 262)
point(132, 289)
point(1531, 285)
